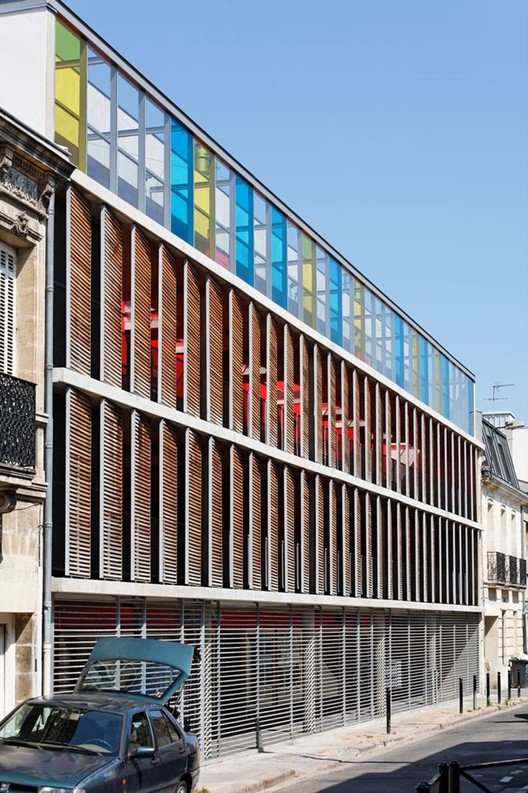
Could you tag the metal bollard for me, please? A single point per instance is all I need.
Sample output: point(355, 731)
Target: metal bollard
point(474, 692)
point(443, 782)
point(499, 688)
point(519, 683)
point(509, 684)
point(454, 777)
point(258, 746)
point(488, 689)
point(460, 695)
point(388, 709)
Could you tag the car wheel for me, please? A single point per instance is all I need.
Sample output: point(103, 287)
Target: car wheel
point(182, 787)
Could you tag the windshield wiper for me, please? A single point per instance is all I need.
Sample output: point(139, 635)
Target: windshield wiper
point(68, 746)
point(19, 742)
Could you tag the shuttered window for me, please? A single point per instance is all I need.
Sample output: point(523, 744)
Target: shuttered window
point(7, 309)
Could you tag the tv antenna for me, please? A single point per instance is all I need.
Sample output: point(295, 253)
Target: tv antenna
point(496, 388)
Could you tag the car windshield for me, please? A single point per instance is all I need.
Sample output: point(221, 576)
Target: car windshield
point(59, 726)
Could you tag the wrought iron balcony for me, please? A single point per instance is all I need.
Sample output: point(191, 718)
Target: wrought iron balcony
point(17, 423)
point(505, 569)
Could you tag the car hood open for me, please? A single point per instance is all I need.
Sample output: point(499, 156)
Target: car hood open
point(150, 669)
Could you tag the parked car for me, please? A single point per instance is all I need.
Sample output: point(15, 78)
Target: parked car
point(113, 733)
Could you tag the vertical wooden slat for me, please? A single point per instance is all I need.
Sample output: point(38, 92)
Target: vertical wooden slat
point(255, 548)
point(401, 573)
point(193, 509)
point(306, 549)
point(380, 528)
point(237, 518)
point(319, 535)
point(387, 441)
point(236, 353)
point(168, 504)
point(397, 449)
point(254, 371)
point(345, 445)
point(79, 282)
point(271, 381)
point(378, 433)
point(332, 549)
point(273, 526)
point(331, 411)
point(368, 411)
point(111, 491)
point(289, 529)
point(357, 549)
point(368, 550)
point(167, 329)
point(289, 428)
point(192, 340)
point(304, 398)
point(318, 404)
point(346, 524)
point(215, 351)
point(216, 543)
point(78, 485)
point(140, 315)
point(356, 396)
point(141, 499)
point(111, 293)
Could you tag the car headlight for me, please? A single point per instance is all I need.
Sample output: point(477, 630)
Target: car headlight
point(50, 789)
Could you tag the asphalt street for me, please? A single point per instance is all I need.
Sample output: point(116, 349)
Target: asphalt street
point(501, 736)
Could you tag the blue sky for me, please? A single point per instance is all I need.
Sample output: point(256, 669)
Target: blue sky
point(398, 129)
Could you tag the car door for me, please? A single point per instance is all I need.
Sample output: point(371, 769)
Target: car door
point(171, 750)
point(142, 772)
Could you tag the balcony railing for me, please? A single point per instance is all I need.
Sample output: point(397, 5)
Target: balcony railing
point(505, 569)
point(17, 423)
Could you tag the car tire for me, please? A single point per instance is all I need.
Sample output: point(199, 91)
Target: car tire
point(182, 787)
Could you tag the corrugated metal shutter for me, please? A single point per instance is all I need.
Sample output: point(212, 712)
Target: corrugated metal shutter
point(193, 509)
point(215, 351)
point(237, 518)
point(271, 381)
point(141, 499)
point(168, 336)
point(168, 504)
point(192, 340)
point(78, 485)
point(254, 372)
point(7, 309)
point(111, 490)
point(79, 281)
point(236, 352)
point(111, 294)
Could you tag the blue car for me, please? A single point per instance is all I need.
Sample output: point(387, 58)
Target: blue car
point(113, 733)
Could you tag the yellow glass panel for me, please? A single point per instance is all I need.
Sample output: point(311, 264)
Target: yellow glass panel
point(67, 127)
point(68, 89)
point(201, 224)
point(202, 196)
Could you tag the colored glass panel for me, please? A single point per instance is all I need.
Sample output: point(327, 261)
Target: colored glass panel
point(279, 270)
point(308, 266)
point(70, 83)
point(98, 118)
point(223, 192)
point(424, 370)
point(244, 230)
point(414, 340)
point(359, 320)
point(336, 302)
point(347, 313)
point(368, 326)
point(260, 242)
point(398, 350)
point(321, 258)
point(127, 141)
point(155, 120)
point(379, 334)
point(388, 335)
point(203, 198)
point(293, 236)
point(181, 182)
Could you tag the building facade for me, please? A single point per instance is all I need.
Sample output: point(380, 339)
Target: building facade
point(30, 168)
point(254, 450)
point(504, 519)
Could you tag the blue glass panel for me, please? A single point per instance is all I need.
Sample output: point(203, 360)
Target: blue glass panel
point(181, 182)
point(244, 230)
point(424, 370)
point(336, 302)
point(279, 291)
point(398, 344)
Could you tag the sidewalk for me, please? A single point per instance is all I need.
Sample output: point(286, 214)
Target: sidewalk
point(248, 772)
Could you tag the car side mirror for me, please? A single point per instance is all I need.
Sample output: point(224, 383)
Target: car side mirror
point(144, 751)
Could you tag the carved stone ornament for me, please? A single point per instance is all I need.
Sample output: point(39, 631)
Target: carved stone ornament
point(20, 226)
point(25, 183)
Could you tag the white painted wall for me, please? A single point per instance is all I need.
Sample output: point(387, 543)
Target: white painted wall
point(27, 57)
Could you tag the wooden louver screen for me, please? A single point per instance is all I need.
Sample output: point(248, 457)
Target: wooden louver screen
point(256, 522)
point(111, 498)
point(79, 485)
point(273, 526)
point(192, 340)
point(168, 336)
point(140, 315)
point(8, 272)
point(388, 440)
point(289, 434)
point(332, 550)
point(141, 499)
point(356, 385)
point(345, 528)
point(378, 434)
point(318, 404)
point(368, 429)
point(254, 373)
point(289, 528)
point(215, 351)
point(331, 411)
point(216, 545)
point(237, 518)
point(320, 550)
point(193, 511)
point(307, 550)
point(168, 504)
point(79, 282)
point(271, 381)
point(305, 397)
point(358, 550)
point(111, 319)
point(236, 375)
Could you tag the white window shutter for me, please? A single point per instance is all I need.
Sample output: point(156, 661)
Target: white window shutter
point(7, 310)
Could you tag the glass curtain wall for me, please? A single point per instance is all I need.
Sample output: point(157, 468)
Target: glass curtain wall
point(127, 142)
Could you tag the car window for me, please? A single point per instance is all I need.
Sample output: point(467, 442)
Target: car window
point(140, 732)
point(164, 731)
